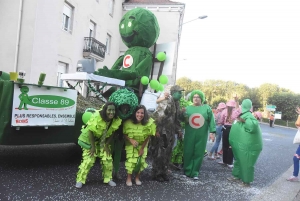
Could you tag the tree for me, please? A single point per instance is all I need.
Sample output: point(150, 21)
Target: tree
point(265, 91)
point(185, 83)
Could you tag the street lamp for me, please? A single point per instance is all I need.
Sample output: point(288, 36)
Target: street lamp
point(200, 17)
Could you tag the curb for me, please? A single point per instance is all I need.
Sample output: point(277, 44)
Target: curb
point(280, 190)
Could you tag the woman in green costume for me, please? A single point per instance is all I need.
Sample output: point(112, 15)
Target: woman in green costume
point(199, 121)
point(246, 140)
point(95, 139)
point(137, 132)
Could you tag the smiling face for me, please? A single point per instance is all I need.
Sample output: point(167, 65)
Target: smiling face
point(110, 112)
point(196, 99)
point(139, 27)
point(139, 115)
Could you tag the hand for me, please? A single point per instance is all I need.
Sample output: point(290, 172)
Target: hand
point(141, 152)
point(241, 119)
point(92, 151)
point(212, 137)
point(134, 142)
point(157, 134)
point(180, 135)
point(183, 110)
point(166, 94)
point(298, 110)
point(106, 149)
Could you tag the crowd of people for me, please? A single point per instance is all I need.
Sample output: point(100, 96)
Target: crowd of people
point(236, 125)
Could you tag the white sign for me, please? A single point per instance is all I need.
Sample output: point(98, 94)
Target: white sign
point(42, 106)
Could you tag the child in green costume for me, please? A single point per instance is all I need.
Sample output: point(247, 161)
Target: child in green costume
point(97, 134)
point(199, 121)
point(245, 139)
point(137, 131)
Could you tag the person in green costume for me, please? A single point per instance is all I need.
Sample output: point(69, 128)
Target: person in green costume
point(199, 121)
point(137, 132)
point(167, 117)
point(139, 30)
point(97, 134)
point(246, 141)
point(126, 101)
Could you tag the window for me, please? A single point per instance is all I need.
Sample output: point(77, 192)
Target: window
point(108, 43)
point(61, 69)
point(67, 18)
point(92, 29)
point(111, 7)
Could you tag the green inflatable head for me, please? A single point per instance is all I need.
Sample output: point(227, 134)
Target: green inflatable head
point(126, 101)
point(139, 27)
point(246, 105)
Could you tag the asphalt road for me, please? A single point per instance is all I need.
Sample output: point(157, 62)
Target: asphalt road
point(48, 172)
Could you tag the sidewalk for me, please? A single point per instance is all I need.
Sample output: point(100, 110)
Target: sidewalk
point(280, 190)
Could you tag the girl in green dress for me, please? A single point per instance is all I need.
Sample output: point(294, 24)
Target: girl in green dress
point(95, 139)
point(137, 131)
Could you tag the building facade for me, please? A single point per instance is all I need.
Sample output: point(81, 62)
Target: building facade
point(51, 36)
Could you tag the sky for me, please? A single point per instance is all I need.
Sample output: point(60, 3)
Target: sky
point(250, 42)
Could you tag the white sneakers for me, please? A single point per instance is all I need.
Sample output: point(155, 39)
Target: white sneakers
point(78, 185)
point(112, 183)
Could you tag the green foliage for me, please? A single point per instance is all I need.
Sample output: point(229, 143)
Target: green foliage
point(217, 91)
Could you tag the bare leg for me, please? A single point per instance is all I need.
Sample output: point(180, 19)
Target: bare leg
point(137, 179)
point(128, 181)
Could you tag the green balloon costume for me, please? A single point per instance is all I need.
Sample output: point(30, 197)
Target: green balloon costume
point(246, 141)
point(126, 101)
point(199, 121)
point(101, 131)
point(139, 30)
point(139, 133)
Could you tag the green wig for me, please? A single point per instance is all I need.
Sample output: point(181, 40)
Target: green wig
point(200, 93)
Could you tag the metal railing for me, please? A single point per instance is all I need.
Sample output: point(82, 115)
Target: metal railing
point(91, 45)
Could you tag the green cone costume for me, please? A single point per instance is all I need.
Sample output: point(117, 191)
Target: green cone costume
point(246, 141)
point(121, 98)
point(99, 128)
point(139, 133)
point(139, 30)
point(201, 121)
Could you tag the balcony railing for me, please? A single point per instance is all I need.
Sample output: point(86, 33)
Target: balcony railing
point(93, 49)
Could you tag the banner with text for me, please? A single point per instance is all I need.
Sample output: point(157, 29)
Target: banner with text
point(39, 106)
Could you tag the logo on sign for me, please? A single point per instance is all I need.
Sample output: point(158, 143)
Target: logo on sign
point(22, 121)
point(127, 61)
point(196, 120)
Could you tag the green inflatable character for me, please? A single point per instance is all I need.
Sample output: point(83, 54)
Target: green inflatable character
point(139, 30)
point(245, 139)
point(24, 99)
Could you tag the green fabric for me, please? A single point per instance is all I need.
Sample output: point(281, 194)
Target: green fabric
point(117, 148)
point(139, 133)
point(6, 98)
point(177, 154)
point(122, 97)
point(4, 76)
point(246, 141)
point(195, 139)
point(98, 126)
point(143, 30)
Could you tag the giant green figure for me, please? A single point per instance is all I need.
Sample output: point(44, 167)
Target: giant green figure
point(246, 140)
point(139, 30)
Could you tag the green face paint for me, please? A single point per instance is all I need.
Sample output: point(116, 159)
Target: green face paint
point(110, 112)
point(177, 95)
